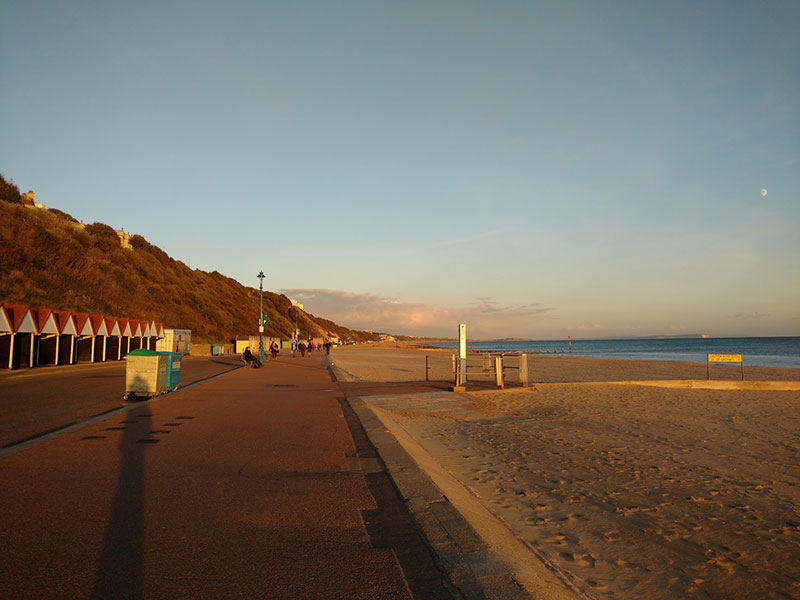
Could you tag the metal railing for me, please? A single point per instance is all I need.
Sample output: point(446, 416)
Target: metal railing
point(492, 366)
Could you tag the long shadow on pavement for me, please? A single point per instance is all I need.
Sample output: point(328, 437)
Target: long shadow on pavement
point(120, 570)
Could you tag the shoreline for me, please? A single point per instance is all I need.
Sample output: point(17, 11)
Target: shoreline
point(389, 361)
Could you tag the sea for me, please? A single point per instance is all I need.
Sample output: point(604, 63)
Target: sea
point(756, 351)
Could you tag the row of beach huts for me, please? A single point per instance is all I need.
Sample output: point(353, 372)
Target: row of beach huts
point(31, 337)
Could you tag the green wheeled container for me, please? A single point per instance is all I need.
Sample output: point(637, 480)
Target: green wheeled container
point(145, 374)
point(174, 361)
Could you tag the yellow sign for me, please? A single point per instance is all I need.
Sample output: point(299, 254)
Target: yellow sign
point(724, 358)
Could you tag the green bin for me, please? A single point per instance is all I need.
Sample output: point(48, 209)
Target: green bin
point(174, 360)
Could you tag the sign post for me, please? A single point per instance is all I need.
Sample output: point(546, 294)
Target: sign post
point(462, 354)
point(723, 358)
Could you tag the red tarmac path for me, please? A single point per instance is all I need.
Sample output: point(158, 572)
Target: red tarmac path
point(244, 486)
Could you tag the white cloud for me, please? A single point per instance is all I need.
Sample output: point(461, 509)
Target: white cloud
point(752, 315)
point(484, 317)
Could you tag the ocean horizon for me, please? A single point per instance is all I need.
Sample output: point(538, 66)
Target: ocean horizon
point(756, 351)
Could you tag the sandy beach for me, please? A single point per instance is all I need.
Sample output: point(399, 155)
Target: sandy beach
point(631, 491)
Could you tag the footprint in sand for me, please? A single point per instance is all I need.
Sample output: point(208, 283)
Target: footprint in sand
point(612, 536)
point(727, 566)
point(536, 521)
point(584, 560)
point(498, 503)
point(596, 585)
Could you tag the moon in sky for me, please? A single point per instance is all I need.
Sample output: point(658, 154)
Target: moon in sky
point(764, 192)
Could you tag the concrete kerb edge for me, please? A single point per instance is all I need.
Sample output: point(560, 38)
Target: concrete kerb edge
point(338, 373)
point(76, 426)
point(457, 548)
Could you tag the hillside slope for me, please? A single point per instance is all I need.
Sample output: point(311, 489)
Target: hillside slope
point(48, 259)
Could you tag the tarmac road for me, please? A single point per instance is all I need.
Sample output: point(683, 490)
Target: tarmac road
point(33, 401)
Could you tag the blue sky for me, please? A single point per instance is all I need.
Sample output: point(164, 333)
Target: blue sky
point(534, 169)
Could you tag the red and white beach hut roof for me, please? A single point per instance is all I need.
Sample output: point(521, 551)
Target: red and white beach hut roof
point(5, 321)
point(112, 325)
point(82, 324)
point(65, 322)
point(98, 325)
point(124, 327)
point(45, 320)
point(20, 318)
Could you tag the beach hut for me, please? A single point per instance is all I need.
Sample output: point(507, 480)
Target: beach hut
point(65, 342)
point(241, 343)
point(178, 340)
point(112, 341)
point(84, 340)
point(46, 347)
point(145, 335)
point(153, 338)
point(6, 338)
point(19, 325)
point(136, 335)
point(124, 337)
point(100, 337)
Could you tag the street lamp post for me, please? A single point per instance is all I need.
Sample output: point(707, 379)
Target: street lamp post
point(294, 335)
point(261, 317)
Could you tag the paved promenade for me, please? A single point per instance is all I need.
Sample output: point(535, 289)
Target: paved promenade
point(246, 486)
point(36, 400)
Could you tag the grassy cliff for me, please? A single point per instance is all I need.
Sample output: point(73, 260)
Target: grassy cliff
point(48, 259)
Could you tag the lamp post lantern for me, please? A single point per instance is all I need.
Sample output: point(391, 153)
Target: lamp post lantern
point(261, 317)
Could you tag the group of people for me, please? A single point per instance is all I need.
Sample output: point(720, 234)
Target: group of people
point(250, 359)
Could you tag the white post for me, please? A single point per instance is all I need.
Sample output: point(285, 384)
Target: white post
point(33, 345)
point(105, 347)
point(11, 353)
point(93, 341)
point(498, 366)
point(462, 353)
point(523, 370)
point(58, 348)
point(72, 349)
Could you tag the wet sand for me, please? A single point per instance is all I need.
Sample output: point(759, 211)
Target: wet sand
point(632, 491)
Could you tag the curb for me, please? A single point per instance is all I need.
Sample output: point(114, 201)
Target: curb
point(461, 554)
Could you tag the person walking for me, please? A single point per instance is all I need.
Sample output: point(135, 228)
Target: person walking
point(302, 347)
point(273, 348)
